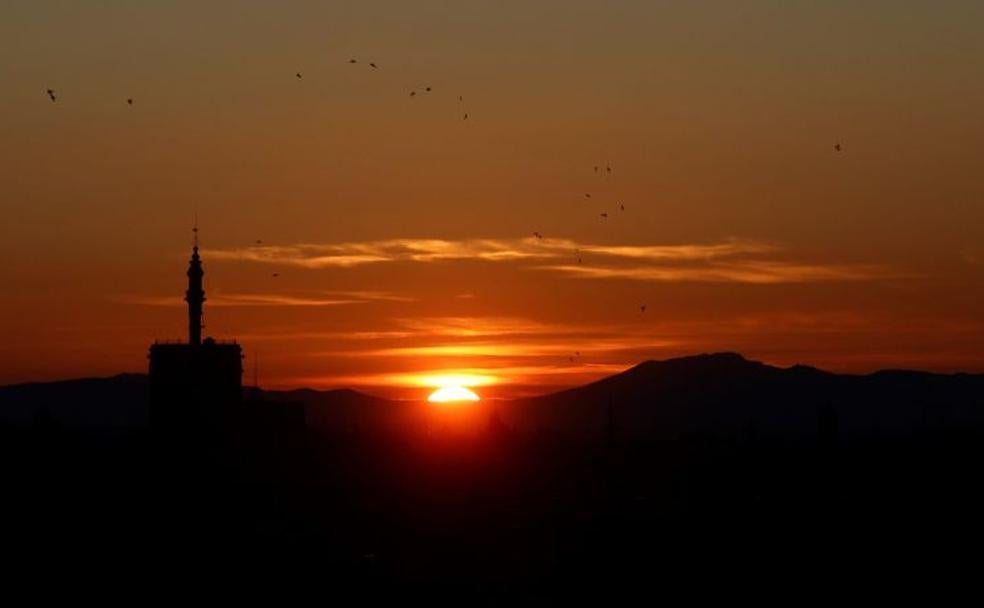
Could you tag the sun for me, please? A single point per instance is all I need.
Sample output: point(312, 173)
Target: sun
point(447, 394)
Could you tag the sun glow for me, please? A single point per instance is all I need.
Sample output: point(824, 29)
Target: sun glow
point(447, 394)
point(440, 380)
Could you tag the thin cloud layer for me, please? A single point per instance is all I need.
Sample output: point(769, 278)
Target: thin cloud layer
point(750, 271)
point(730, 261)
point(269, 299)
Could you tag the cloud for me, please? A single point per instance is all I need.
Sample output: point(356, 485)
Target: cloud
point(751, 271)
point(378, 296)
point(268, 299)
point(347, 255)
point(480, 327)
point(368, 335)
point(470, 376)
point(515, 349)
point(732, 260)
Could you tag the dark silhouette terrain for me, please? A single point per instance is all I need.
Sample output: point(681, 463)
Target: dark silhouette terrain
point(701, 475)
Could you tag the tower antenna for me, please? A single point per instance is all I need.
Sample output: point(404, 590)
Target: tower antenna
point(195, 231)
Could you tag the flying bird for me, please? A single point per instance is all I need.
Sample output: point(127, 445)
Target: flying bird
point(642, 308)
point(298, 75)
point(413, 93)
point(373, 66)
point(604, 216)
point(129, 101)
point(621, 206)
point(259, 242)
point(609, 169)
point(428, 89)
point(353, 61)
point(538, 235)
point(51, 94)
point(596, 168)
point(587, 195)
point(465, 117)
point(837, 147)
point(461, 98)
point(276, 274)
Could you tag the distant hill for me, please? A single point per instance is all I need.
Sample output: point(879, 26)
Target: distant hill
point(115, 403)
point(722, 394)
point(121, 402)
point(726, 395)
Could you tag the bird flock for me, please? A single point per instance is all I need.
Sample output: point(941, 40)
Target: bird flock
point(605, 170)
point(300, 76)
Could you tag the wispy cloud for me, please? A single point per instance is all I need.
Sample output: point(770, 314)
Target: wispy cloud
point(470, 376)
point(346, 255)
point(292, 336)
point(268, 299)
point(732, 260)
point(748, 271)
point(511, 349)
point(481, 327)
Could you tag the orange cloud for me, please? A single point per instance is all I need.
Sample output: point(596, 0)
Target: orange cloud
point(733, 260)
point(268, 299)
point(750, 271)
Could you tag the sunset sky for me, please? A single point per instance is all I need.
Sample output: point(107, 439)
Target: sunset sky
point(403, 235)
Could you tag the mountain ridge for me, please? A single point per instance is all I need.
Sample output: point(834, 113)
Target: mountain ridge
point(721, 393)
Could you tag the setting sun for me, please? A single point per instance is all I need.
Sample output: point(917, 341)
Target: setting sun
point(452, 393)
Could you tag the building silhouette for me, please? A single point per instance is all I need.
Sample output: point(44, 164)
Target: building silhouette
point(194, 386)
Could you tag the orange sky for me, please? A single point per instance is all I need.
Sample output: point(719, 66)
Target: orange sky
point(403, 235)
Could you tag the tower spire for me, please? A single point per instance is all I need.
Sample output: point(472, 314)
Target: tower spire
point(195, 296)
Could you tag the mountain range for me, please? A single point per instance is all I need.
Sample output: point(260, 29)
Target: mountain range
point(722, 395)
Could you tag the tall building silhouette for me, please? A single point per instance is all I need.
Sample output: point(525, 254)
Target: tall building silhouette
point(194, 386)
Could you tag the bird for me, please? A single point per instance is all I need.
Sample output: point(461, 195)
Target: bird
point(427, 89)
point(604, 216)
point(373, 66)
point(621, 206)
point(413, 93)
point(129, 101)
point(609, 169)
point(587, 195)
point(578, 353)
point(596, 168)
point(837, 147)
point(353, 61)
point(51, 94)
point(276, 274)
point(571, 359)
point(298, 75)
point(461, 98)
point(579, 260)
point(538, 235)
point(259, 242)
point(642, 308)
point(465, 117)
